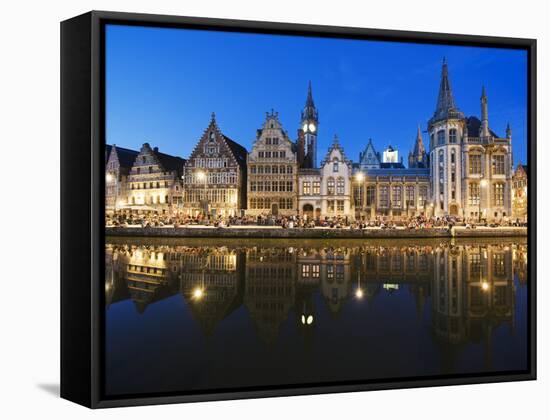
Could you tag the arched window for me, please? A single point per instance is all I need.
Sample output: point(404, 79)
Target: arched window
point(211, 138)
point(330, 186)
point(335, 165)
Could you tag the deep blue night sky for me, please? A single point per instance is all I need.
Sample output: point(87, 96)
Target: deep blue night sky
point(163, 84)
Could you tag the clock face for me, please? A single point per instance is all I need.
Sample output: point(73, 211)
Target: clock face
point(312, 128)
point(305, 127)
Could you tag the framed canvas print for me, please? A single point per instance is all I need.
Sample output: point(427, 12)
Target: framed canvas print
point(255, 209)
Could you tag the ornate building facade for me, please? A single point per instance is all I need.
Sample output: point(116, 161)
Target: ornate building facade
point(117, 167)
point(309, 193)
point(519, 194)
point(466, 172)
point(471, 167)
point(336, 172)
point(388, 189)
point(153, 184)
point(272, 171)
point(215, 176)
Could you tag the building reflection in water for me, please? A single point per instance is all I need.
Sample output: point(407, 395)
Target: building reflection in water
point(469, 286)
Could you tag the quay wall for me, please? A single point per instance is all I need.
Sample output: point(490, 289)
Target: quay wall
point(317, 233)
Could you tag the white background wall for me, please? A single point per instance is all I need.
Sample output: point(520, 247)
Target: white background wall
point(29, 135)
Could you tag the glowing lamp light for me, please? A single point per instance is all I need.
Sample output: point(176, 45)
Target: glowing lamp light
point(201, 176)
point(359, 177)
point(109, 177)
point(198, 293)
point(483, 183)
point(359, 293)
point(485, 286)
point(307, 320)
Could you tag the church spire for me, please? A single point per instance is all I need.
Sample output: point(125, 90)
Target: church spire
point(446, 107)
point(310, 112)
point(309, 101)
point(418, 158)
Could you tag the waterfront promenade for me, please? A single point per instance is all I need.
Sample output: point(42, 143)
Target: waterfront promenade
point(199, 231)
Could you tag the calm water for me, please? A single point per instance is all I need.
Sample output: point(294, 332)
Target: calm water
point(188, 315)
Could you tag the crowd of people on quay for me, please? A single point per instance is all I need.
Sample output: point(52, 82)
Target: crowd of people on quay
point(298, 221)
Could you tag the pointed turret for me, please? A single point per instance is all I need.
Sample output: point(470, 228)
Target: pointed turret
point(508, 131)
point(418, 157)
point(446, 107)
point(484, 128)
point(309, 112)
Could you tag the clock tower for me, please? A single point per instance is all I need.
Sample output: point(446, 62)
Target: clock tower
point(310, 125)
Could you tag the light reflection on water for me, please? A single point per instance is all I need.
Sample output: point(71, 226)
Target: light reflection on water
point(188, 315)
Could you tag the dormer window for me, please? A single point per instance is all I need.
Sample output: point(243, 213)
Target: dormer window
point(335, 166)
point(211, 138)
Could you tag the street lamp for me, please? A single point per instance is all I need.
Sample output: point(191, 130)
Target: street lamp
point(482, 184)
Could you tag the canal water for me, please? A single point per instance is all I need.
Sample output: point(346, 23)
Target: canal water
point(188, 315)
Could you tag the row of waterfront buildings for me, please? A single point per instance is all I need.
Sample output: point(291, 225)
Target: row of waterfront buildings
point(467, 172)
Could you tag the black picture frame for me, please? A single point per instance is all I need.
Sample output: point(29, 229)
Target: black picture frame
point(82, 204)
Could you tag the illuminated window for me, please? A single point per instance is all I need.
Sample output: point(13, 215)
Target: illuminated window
point(340, 186)
point(330, 186)
point(316, 187)
point(384, 196)
point(410, 195)
point(306, 188)
point(473, 194)
point(475, 164)
point(498, 194)
point(498, 165)
point(396, 196)
point(371, 195)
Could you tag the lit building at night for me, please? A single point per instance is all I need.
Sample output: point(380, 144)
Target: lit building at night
point(214, 180)
point(153, 184)
point(519, 193)
point(336, 171)
point(272, 171)
point(118, 164)
point(470, 166)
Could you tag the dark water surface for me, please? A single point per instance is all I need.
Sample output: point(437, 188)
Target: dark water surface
point(190, 315)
